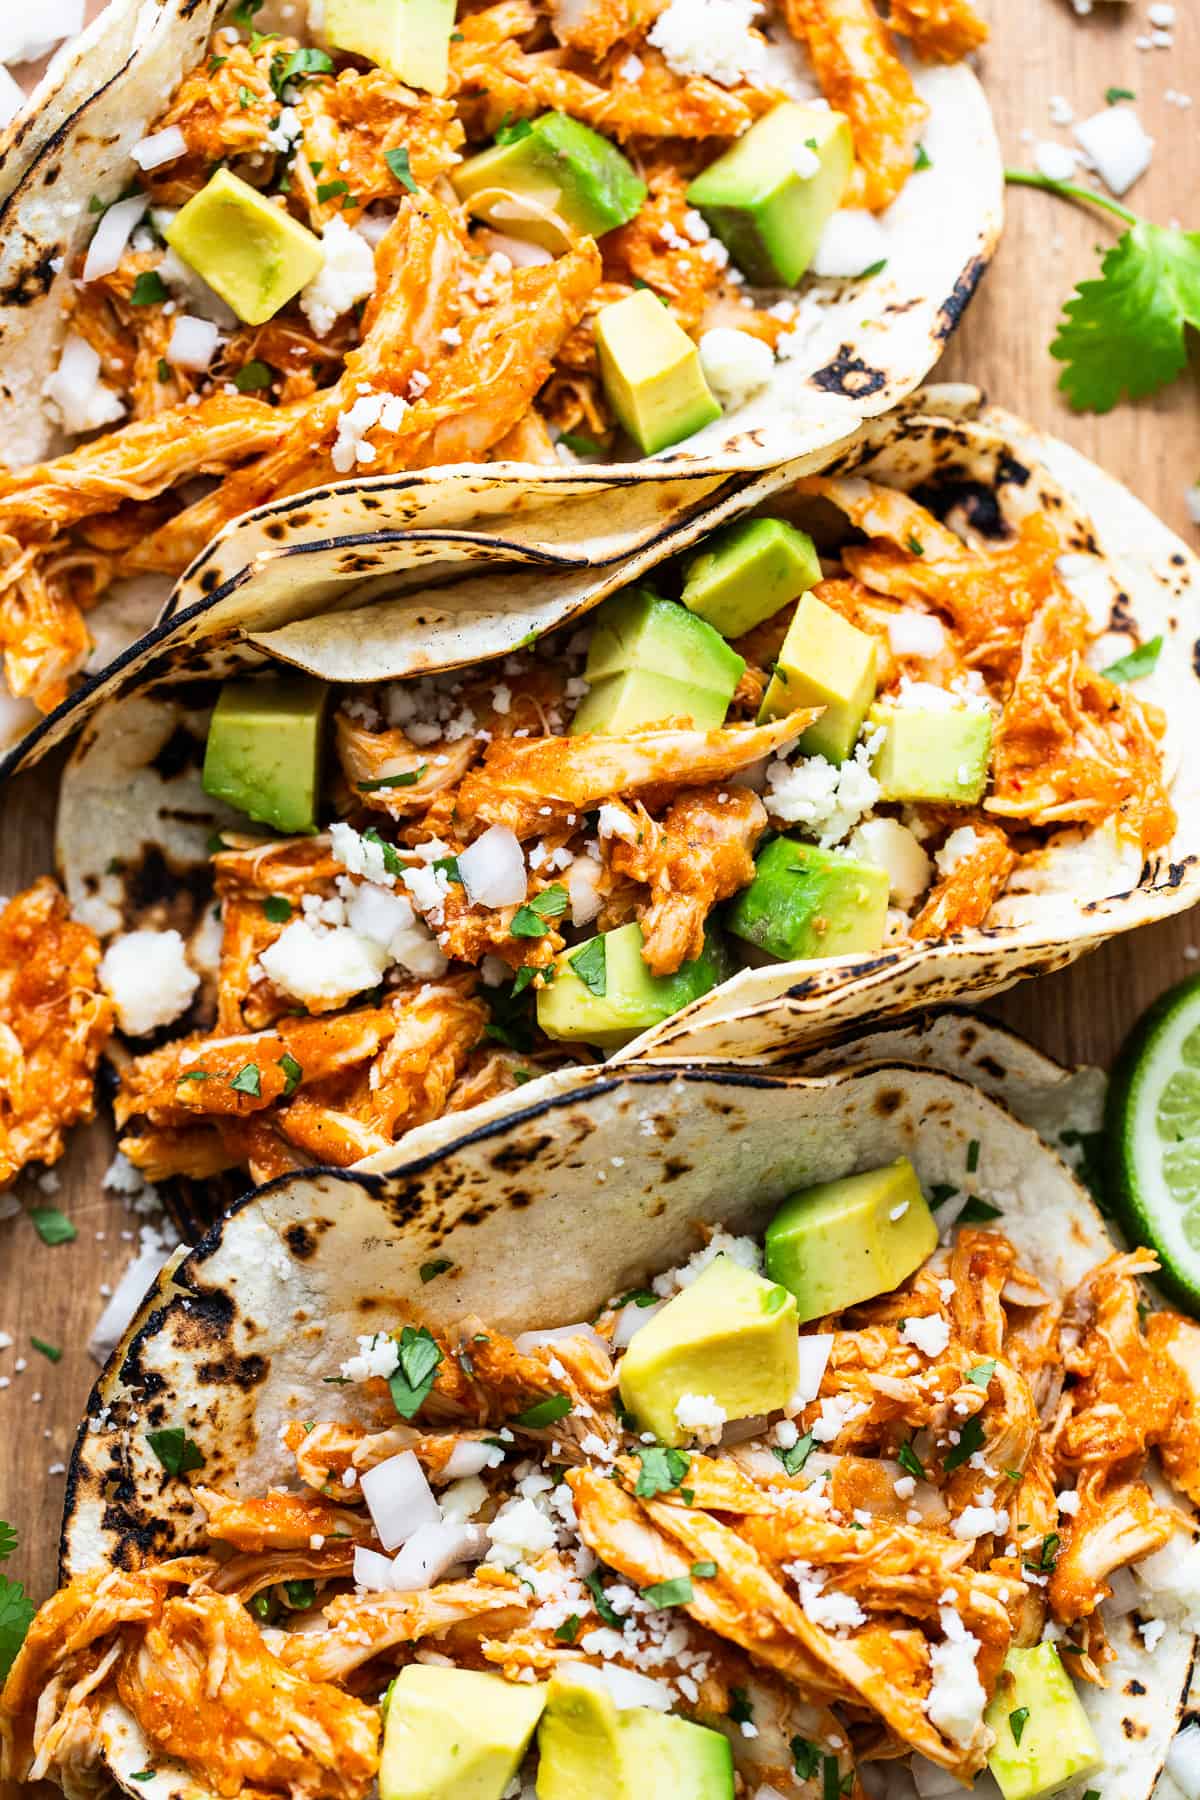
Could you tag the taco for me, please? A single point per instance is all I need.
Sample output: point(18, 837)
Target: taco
point(630, 839)
point(252, 264)
point(515, 1452)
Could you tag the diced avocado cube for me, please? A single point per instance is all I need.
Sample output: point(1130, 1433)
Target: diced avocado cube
point(651, 373)
point(636, 629)
point(729, 1337)
point(603, 993)
point(770, 197)
point(1043, 1737)
point(824, 661)
point(558, 164)
point(747, 572)
point(408, 38)
point(588, 1750)
point(931, 754)
point(847, 1241)
point(264, 750)
point(640, 697)
point(665, 1754)
point(806, 902)
point(453, 1734)
point(251, 252)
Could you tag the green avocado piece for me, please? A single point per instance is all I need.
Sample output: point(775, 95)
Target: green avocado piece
point(770, 197)
point(452, 1734)
point(579, 1745)
point(408, 38)
point(806, 902)
point(264, 749)
point(651, 372)
point(669, 1755)
point(747, 572)
point(846, 1241)
point(640, 697)
point(651, 659)
point(561, 165)
point(1052, 1743)
point(730, 1337)
point(603, 993)
point(823, 661)
point(933, 755)
point(249, 251)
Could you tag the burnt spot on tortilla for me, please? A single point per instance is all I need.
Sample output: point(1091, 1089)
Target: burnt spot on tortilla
point(521, 1155)
point(674, 1167)
point(244, 1372)
point(33, 280)
point(978, 502)
point(1134, 1686)
point(889, 1102)
point(955, 304)
point(182, 750)
point(848, 374)
point(359, 563)
point(1010, 472)
point(276, 530)
point(1120, 618)
point(153, 884)
point(51, 175)
point(300, 1242)
point(210, 579)
point(1134, 1729)
point(988, 1065)
point(368, 502)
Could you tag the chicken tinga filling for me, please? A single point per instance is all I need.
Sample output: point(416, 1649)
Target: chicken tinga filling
point(478, 875)
point(825, 1514)
point(541, 233)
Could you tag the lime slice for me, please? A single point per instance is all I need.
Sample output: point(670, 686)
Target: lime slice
point(1153, 1126)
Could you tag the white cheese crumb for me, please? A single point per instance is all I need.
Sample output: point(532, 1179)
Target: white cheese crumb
point(958, 846)
point(317, 963)
point(701, 1415)
point(824, 799)
point(346, 276)
point(711, 38)
point(892, 846)
point(852, 242)
point(930, 1336)
point(378, 1355)
point(956, 1696)
point(146, 975)
point(736, 365)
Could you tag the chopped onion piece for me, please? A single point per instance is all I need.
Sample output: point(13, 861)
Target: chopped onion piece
point(630, 1320)
point(463, 1499)
point(469, 1457)
point(623, 1687)
point(84, 403)
point(520, 253)
point(373, 1571)
point(431, 1550)
point(193, 342)
point(1127, 1596)
point(159, 148)
point(532, 1340)
point(814, 1356)
point(493, 869)
point(399, 1499)
point(915, 634)
point(852, 242)
point(111, 237)
point(583, 890)
point(932, 1782)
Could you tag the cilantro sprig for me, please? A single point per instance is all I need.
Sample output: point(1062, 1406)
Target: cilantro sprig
point(1124, 333)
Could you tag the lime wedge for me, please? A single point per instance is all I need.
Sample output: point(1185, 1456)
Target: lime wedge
point(1152, 1121)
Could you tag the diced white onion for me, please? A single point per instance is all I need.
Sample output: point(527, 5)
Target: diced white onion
point(532, 1340)
point(1127, 1596)
point(375, 226)
point(583, 890)
point(399, 1499)
point(373, 1571)
point(630, 1320)
point(462, 1499)
point(433, 1549)
point(623, 1687)
point(160, 147)
point(111, 237)
point(469, 1457)
point(1183, 1761)
point(520, 253)
point(814, 1357)
point(915, 634)
point(493, 869)
point(1118, 145)
point(193, 342)
point(852, 242)
point(84, 403)
point(932, 1782)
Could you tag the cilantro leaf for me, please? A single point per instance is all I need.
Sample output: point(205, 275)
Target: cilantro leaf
point(512, 133)
point(52, 1226)
point(51, 1352)
point(8, 1540)
point(668, 1593)
point(397, 161)
point(805, 1757)
point(248, 1081)
point(590, 963)
point(978, 1212)
point(970, 1440)
point(429, 1271)
point(253, 376)
point(175, 1450)
point(149, 289)
point(277, 908)
point(1017, 1721)
point(529, 921)
point(544, 1412)
point(16, 1616)
point(1139, 662)
point(741, 1708)
point(293, 1073)
point(391, 860)
point(406, 778)
point(982, 1373)
point(910, 1462)
point(662, 1471)
point(600, 1599)
point(412, 1380)
point(1124, 333)
point(794, 1458)
point(568, 1631)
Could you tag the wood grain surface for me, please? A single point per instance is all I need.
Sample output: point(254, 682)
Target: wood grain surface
point(1040, 48)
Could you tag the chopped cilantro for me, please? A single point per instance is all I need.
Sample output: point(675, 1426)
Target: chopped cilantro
point(278, 908)
point(143, 1775)
point(1047, 1556)
point(1017, 1721)
point(292, 1071)
point(175, 1450)
point(8, 1540)
point(301, 65)
point(662, 1471)
point(910, 1462)
point(397, 161)
point(407, 778)
point(970, 1439)
point(972, 1156)
point(568, 1631)
point(507, 133)
point(875, 268)
point(1139, 662)
point(805, 1757)
point(300, 1594)
point(590, 963)
point(982, 1373)
point(1111, 96)
point(581, 444)
point(149, 289)
point(740, 1709)
point(51, 1352)
point(794, 1459)
point(329, 190)
point(637, 1297)
point(164, 369)
point(391, 860)
point(914, 544)
point(940, 1192)
point(544, 1412)
point(530, 920)
point(411, 1382)
point(253, 376)
point(704, 1571)
point(600, 1599)
point(448, 866)
point(978, 1212)
point(248, 1081)
point(668, 1593)
point(52, 1226)
point(429, 1271)
point(196, 1075)
point(922, 160)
